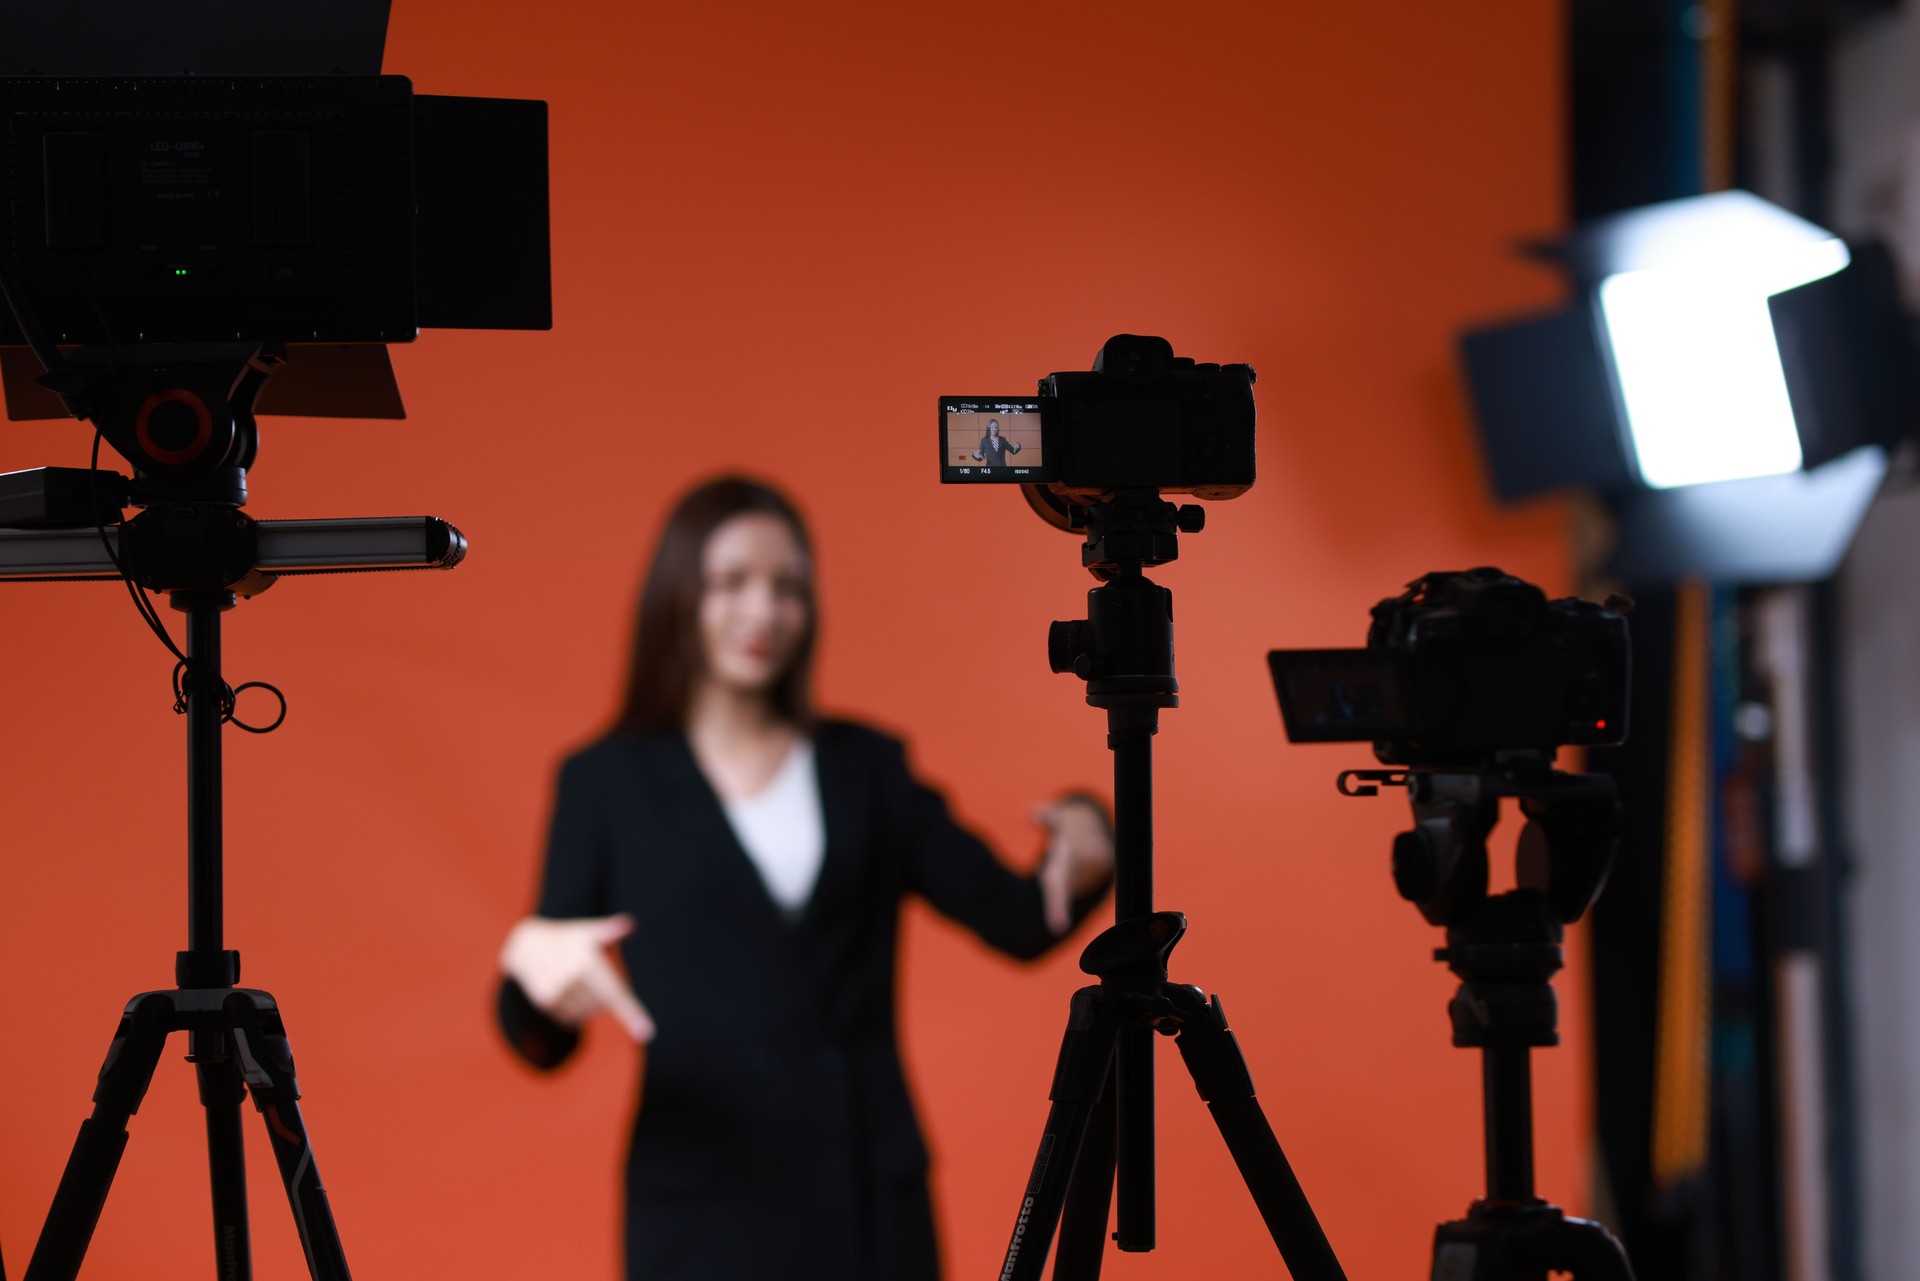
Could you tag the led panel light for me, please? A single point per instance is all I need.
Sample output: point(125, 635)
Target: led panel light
point(1696, 359)
point(1729, 379)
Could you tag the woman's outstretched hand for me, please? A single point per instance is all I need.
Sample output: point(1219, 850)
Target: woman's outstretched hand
point(564, 968)
point(1079, 857)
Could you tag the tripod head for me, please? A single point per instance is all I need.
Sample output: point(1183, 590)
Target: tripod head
point(1504, 947)
point(1440, 866)
point(184, 416)
point(180, 413)
point(1123, 649)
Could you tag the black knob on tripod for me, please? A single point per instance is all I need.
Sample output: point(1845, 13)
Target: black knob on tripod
point(1067, 643)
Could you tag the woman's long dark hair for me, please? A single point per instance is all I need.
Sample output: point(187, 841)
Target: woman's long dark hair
point(667, 655)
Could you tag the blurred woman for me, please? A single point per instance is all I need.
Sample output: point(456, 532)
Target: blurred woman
point(748, 860)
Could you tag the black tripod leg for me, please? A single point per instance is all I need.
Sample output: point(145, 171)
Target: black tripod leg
point(266, 1062)
point(1083, 1219)
point(1086, 1056)
point(221, 1094)
point(1134, 1217)
point(124, 1079)
point(1219, 1070)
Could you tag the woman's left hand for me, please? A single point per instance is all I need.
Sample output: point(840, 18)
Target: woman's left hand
point(1079, 857)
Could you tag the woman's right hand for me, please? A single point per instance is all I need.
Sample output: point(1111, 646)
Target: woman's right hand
point(564, 968)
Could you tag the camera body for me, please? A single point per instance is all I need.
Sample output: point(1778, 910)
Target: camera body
point(1142, 418)
point(1464, 669)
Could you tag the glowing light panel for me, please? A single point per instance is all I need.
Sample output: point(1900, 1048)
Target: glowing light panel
point(1696, 358)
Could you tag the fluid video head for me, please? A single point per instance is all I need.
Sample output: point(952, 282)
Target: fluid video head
point(1142, 419)
point(1466, 670)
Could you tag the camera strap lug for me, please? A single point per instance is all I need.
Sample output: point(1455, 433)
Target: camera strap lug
point(1368, 782)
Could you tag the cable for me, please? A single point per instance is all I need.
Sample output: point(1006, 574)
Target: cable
point(145, 607)
point(228, 695)
point(229, 698)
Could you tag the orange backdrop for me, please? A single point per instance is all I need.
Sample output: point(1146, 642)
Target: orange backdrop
point(771, 220)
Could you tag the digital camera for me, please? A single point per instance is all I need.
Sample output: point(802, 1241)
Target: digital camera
point(1143, 418)
point(1462, 669)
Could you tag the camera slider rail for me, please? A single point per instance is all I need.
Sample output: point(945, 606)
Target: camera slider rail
point(254, 554)
point(64, 524)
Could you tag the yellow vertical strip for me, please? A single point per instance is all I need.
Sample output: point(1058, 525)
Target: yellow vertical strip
point(1719, 94)
point(1681, 1064)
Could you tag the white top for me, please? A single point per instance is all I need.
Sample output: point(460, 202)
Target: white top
point(783, 831)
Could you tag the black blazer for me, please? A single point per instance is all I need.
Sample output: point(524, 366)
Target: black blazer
point(996, 457)
point(775, 1139)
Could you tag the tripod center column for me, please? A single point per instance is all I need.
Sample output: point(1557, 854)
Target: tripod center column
point(1130, 675)
point(1130, 735)
point(203, 689)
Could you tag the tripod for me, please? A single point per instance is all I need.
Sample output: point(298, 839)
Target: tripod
point(1505, 948)
point(1098, 1144)
point(184, 416)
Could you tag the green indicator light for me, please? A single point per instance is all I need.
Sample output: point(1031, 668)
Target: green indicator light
point(179, 271)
